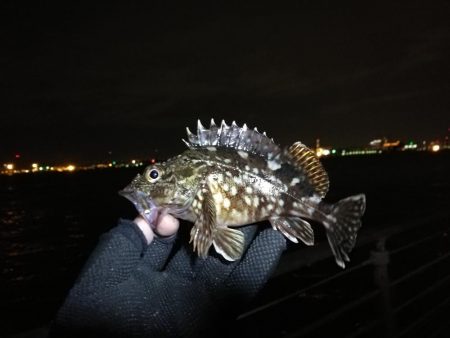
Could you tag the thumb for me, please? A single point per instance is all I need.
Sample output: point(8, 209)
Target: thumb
point(160, 247)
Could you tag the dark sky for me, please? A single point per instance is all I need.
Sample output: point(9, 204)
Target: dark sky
point(78, 81)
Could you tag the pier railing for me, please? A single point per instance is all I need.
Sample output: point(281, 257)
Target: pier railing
point(400, 289)
point(397, 285)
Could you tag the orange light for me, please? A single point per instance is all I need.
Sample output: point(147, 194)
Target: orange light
point(435, 147)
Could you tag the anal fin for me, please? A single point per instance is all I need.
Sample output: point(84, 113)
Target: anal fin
point(229, 243)
point(294, 228)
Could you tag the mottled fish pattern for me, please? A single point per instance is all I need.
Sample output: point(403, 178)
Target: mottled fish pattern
point(231, 176)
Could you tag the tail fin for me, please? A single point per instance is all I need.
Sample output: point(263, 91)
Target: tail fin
point(346, 215)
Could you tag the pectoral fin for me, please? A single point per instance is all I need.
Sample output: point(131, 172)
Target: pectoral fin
point(293, 228)
point(229, 243)
point(203, 230)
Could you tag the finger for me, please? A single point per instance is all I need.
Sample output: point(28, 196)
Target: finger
point(258, 264)
point(145, 228)
point(183, 262)
point(159, 249)
point(155, 257)
point(215, 269)
point(167, 225)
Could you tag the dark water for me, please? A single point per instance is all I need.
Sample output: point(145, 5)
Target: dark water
point(50, 222)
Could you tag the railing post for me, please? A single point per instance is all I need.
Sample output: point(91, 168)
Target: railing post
point(380, 259)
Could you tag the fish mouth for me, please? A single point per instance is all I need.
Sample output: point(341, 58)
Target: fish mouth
point(144, 205)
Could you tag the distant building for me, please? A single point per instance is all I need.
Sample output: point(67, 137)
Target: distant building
point(385, 145)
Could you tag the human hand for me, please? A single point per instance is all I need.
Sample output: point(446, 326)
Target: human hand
point(166, 291)
point(209, 291)
point(166, 226)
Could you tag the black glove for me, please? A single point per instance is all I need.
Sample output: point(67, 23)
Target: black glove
point(131, 289)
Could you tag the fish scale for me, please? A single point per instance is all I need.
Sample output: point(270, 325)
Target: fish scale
point(232, 176)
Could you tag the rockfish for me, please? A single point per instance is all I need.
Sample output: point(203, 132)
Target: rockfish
point(231, 176)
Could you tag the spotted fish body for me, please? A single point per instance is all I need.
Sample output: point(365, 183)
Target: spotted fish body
point(232, 176)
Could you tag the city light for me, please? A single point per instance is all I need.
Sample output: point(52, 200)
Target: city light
point(374, 147)
point(36, 167)
point(360, 152)
point(410, 146)
point(376, 143)
point(322, 152)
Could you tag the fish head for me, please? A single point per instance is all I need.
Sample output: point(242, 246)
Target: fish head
point(159, 189)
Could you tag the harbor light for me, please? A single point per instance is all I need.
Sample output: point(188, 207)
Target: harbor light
point(322, 152)
point(435, 148)
point(9, 166)
point(70, 167)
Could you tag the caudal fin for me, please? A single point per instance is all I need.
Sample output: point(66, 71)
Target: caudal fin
point(346, 221)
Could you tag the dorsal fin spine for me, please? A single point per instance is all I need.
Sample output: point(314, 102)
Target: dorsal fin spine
point(233, 137)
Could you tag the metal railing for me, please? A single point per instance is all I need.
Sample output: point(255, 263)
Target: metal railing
point(389, 319)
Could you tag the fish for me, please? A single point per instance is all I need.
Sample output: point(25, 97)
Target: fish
point(231, 176)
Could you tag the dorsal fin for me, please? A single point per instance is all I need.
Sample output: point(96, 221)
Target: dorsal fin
point(234, 137)
point(308, 161)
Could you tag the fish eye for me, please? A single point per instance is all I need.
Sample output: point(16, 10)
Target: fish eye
point(152, 175)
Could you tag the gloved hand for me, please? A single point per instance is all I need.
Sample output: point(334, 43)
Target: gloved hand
point(130, 288)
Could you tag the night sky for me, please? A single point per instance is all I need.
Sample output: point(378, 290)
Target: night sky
point(80, 81)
